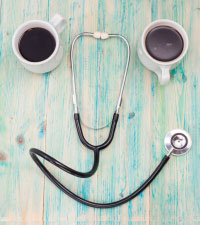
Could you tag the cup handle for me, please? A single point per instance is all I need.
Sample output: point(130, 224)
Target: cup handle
point(58, 22)
point(164, 75)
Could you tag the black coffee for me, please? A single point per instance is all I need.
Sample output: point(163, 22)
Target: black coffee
point(164, 43)
point(36, 44)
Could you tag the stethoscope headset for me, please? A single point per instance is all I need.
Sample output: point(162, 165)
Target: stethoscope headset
point(177, 142)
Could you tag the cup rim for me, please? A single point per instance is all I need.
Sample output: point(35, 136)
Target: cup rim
point(55, 34)
point(174, 25)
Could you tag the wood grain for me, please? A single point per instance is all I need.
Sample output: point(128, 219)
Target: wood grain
point(37, 111)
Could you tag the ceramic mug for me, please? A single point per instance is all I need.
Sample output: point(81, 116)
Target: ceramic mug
point(162, 69)
point(55, 27)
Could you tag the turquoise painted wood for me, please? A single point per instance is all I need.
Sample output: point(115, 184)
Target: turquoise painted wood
point(36, 111)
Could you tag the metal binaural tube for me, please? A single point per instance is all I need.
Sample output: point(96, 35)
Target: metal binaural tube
point(126, 69)
point(104, 36)
point(72, 65)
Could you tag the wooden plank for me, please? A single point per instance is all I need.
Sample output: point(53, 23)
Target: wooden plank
point(173, 196)
point(23, 96)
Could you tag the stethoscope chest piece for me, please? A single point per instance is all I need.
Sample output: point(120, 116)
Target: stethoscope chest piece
point(177, 142)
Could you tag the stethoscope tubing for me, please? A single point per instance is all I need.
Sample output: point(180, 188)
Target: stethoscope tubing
point(104, 144)
point(34, 152)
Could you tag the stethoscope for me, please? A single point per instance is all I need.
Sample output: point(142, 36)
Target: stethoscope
point(177, 142)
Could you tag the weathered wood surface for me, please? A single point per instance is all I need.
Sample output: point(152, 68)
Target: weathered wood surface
point(36, 111)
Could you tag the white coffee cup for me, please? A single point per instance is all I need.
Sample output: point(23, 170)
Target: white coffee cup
point(162, 69)
point(55, 27)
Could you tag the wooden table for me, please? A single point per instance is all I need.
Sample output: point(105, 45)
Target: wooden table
point(37, 111)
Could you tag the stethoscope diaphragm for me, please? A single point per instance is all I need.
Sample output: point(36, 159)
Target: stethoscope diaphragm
point(177, 142)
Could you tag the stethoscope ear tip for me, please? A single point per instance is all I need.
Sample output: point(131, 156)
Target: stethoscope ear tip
point(177, 142)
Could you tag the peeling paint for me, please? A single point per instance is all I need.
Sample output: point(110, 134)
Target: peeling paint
point(20, 140)
point(2, 157)
point(43, 127)
point(121, 195)
point(184, 78)
point(179, 75)
point(131, 115)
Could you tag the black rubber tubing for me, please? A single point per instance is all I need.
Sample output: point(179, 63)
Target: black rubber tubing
point(34, 152)
point(103, 145)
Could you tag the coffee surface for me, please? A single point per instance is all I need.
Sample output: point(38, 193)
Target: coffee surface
point(37, 44)
point(164, 43)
